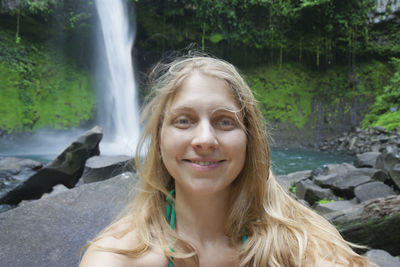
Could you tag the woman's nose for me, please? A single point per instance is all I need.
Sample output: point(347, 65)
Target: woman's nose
point(204, 137)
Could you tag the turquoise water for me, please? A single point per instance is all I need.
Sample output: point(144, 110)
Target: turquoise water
point(285, 160)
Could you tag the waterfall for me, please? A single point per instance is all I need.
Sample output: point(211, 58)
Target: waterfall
point(385, 10)
point(118, 111)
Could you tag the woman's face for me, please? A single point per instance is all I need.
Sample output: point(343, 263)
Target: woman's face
point(202, 144)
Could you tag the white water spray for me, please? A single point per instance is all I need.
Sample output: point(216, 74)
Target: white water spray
point(119, 114)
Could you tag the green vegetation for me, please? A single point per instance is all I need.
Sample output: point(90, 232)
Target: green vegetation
point(39, 88)
point(286, 94)
point(295, 54)
point(325, 201)
point(292, 189)
point(386, 109)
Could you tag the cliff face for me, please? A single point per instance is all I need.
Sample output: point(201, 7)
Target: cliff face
point(305, 106)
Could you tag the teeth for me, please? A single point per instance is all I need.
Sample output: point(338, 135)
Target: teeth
point(204, 163)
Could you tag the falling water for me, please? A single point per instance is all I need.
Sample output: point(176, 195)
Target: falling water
point(118, 110)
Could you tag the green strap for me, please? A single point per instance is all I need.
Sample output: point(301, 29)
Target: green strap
point(170, 211)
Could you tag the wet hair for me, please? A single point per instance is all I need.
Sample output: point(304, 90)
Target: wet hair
point(280, 231)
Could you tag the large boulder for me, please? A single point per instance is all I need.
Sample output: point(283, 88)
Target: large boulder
point(344, 180)
point(382, 258)
point(51, 231)
point(395, 175)
point(286, 181)
point(374, 223)
point(366, 160)
point(372, 190)
point(13, 171)
point(64, 169)
point(311, 192)
point(100, 168)
point(387, 161)
point(334, 206)
point(18, 167)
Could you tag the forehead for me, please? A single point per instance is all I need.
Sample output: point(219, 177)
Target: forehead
point(204, 90)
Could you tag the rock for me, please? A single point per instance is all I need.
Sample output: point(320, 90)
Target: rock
point(343, 178)
point(339, 205)
point(359, 141)
point(286, 181)
point(353, 142)
point(56, 190)
point(372, 190)
point(99, 168)
point(51, 231)
point(366, 160)
point(382, 258)
point(377, 225)
point(380, 176)
point(13, 171)
point(311, 192)
point(64, 169)
point(386, 161)
point(337, 168)
point(395, 175)
point(381, 129)
point(296, 177)
point(11, 165)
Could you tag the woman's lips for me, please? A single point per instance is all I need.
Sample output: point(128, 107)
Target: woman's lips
point(203, 164)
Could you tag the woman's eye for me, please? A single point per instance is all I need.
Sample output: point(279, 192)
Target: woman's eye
point(182, 122)
point(226, 123)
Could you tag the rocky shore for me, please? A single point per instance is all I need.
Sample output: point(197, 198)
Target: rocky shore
point(359, 141)
point(57, 208)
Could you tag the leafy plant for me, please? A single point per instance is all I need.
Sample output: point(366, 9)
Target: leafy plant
point(386, 109)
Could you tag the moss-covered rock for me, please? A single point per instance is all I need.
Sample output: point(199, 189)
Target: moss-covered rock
point(40, 88)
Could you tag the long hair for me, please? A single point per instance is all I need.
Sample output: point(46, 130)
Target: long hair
point(280, 231)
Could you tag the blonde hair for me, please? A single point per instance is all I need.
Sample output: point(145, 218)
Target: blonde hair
point(281, 232)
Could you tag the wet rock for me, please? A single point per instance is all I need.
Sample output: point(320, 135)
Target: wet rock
point(382, 258)
point(372, 190)
point(51, 231)
point(395, 175)
point(286, 181)
point(339, 205)
point(13, 171)
point(311, 192)
point(377, 225)
point(386, 161)
point(358, 141)
point(381, 176)
point(99, 168)
point(343, 178)
point(65, 169)
point(366, 160)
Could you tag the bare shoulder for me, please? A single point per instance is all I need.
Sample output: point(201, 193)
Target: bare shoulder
point(95, 255)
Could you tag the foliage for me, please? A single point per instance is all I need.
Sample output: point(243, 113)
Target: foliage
point(39, 89)
point(325, 201)
point(320, 32)
point(385, 111)
point(292, 189)
point(286, 93)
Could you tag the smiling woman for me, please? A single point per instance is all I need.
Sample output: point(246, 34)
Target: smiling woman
point(203, 146)
point(207, 196)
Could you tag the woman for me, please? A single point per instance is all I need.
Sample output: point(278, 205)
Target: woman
point(207, 196)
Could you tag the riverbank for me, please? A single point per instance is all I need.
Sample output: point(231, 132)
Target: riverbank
point(95, 188)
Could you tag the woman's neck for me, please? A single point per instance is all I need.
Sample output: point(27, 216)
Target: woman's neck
point(200, 218)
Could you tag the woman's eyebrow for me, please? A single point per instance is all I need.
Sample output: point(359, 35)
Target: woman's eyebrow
point(226, 109)
point(181, 108)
